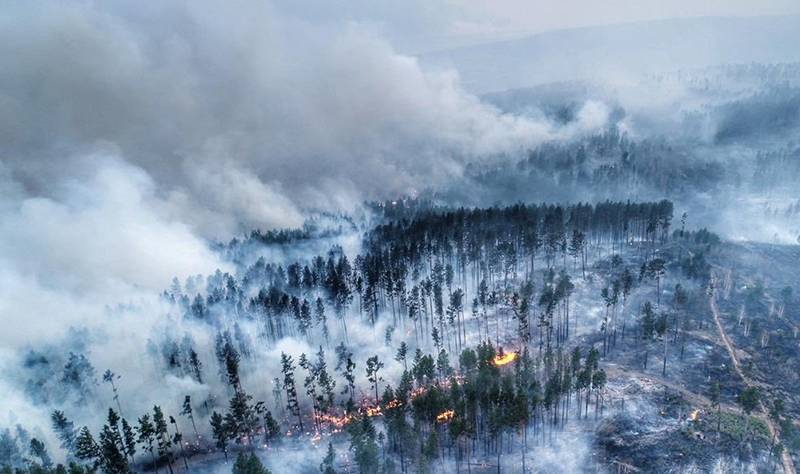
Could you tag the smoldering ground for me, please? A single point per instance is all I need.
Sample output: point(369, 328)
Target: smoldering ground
point(132, 136)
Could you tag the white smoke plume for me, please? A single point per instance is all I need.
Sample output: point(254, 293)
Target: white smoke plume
point(245, 116)
point(133, 134)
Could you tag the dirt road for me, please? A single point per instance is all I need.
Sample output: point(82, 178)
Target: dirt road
point(788, 464)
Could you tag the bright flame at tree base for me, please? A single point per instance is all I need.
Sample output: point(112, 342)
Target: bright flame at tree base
point(504, 359)
point(337, 422)
point(445, 416)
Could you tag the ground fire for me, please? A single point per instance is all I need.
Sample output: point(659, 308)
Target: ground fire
point(503, 359)
point(445, 416)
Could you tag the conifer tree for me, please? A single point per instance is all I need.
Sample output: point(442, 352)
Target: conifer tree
point(373, 367)
point(292, 403)
point(147, 437)
point(220, 432)
point(65, 431)
point(163, 439)
point(186, 410)
point(38, 450)
point(248, 463)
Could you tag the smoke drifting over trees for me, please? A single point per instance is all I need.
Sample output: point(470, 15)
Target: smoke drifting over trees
point(263, 236)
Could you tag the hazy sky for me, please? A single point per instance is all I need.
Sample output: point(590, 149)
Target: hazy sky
point(424, 25)
point(540, 15)
point(133, 132)
point(239, 114)
point(226, 107)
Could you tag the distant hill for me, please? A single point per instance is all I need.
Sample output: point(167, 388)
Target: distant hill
point(621, 53)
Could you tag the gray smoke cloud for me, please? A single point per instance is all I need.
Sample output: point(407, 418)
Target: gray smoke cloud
point(134, 134)
point(242, 114)
point(81, 269)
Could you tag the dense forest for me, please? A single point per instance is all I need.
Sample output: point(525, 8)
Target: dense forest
point(388, 237)
point(488, 348)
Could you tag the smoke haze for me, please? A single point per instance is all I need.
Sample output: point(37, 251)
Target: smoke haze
point(136, 137)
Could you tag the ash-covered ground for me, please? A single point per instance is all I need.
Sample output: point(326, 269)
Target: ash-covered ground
point(399, 237)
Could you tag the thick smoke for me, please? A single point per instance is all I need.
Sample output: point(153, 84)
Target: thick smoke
point(80, 270)
point(99, 239)
point(134, 134)
point(246, 116)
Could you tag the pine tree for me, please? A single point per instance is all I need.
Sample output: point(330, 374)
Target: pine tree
point(327, 384)
point(362, 443)
point(147, 436)
point(231, 359)
point(648, 328)
point(241, 418)
point(748, 399)
point(272, 431)
point(322, 320)
point(163, 440)
point(576, 249)
point(656, 270)
point(248, 464)
point(220, 432)
point(128, 439)
point(346, 367)
point(78, 377)
point(65, 431)
point(109, 377)
point(87, 449)
point(114, 460)
point(443, 365)
point(305, 321)
point(401, 355)
point(177, 439)
point(38, 450)
point(373, 367)
point(186, 410)
point(195, 366)
point(112, 423)
point(310, 384)
point(292, 403)
point(598, 383)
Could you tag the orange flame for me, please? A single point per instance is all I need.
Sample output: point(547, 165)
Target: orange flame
point(503, 359)
point(417, 392)
point(339, 422)
point(335, 421)
point(694, 415)
point(445, 416)
point(394, 403)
